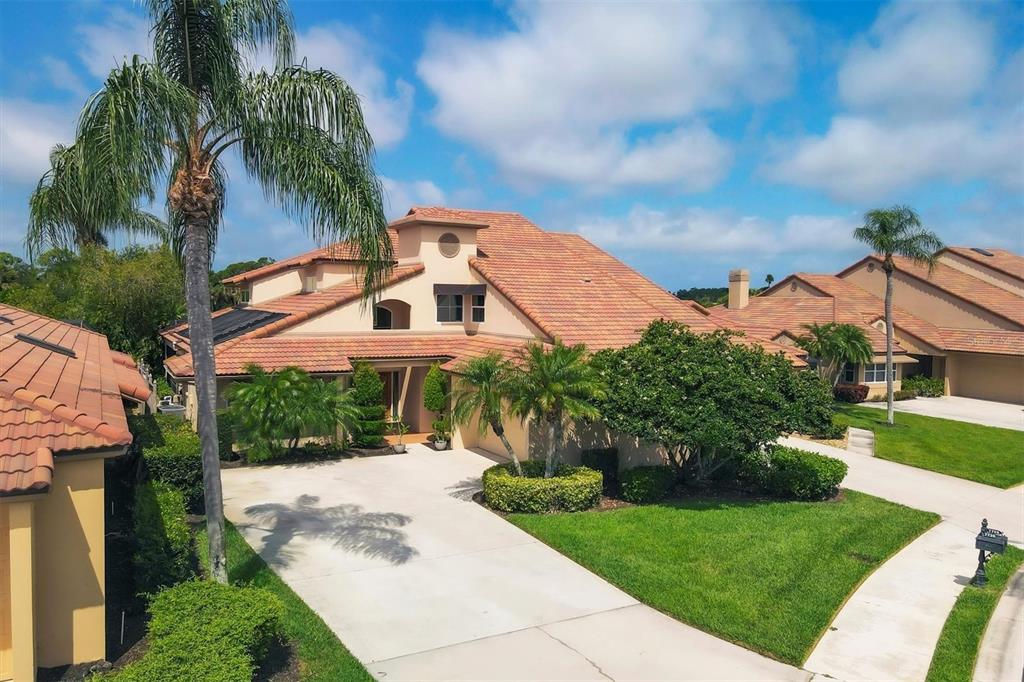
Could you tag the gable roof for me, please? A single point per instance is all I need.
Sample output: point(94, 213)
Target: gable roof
point(1000, 260)
point(60, 391)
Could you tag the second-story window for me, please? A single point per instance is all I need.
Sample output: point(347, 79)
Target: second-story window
point(381, 318)
point(449, 307)
point(477, 311)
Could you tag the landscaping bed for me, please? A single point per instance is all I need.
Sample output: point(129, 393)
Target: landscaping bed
point(985, 454)
point(769, 575)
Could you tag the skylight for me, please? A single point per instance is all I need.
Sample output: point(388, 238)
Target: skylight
point(46, 344)
point(983, 252)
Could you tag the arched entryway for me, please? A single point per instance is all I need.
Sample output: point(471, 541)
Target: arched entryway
point(391, 314)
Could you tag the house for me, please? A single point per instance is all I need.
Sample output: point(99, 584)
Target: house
point(464, 283)
point(962, 321)
point(61, 415)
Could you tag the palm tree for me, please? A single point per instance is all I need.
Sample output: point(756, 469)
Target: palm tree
point(482, 388)
point(555, 386)
point(64, 215)
point(299, 132)
point(890, 232)
point(834, 345)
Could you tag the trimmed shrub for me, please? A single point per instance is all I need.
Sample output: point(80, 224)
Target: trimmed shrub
point(928, 387)
point(179, 463)
point(642, 485)
point(206, 631)
point(163, 543)
point(850, 393)
point(570, 489)
point(605, 460)
point(799, 474)
point(435, 395)
point(833, 432)
point(904, 394)
point(225, 435)
point(368, 395)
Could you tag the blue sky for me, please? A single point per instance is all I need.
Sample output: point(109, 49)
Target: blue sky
point(685, 138)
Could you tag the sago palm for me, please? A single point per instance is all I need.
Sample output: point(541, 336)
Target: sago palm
point(482, 391)
point(834, 345)
point(299, 132)
point(890, 232)
point(555, 387)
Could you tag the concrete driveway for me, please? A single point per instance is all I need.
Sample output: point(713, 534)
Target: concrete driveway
point(422, 583)
point(986, 412)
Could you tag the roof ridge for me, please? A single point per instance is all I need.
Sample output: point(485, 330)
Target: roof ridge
point(65, 413)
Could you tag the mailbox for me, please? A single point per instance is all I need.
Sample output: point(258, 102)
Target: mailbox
point(990, 540)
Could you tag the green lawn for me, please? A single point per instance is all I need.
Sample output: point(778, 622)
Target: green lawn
point(978, 453)
point(768, 575)
point(957, 649)
point(322, 655)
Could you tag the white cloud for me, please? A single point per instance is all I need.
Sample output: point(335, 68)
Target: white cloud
point(719, 232)
point(28, 133)
point(63, 77)
point(400, 196)
point(919, 57)
point(119, 37)
point(560, 97)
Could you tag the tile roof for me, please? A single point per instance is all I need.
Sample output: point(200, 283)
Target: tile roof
point(1001, 260)
point(997, 341)
point(53, 400)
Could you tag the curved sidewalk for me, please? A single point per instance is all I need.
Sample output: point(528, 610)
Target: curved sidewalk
point(1001, 656)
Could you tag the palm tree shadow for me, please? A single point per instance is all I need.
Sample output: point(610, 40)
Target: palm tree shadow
point(465, 489)
point(372, 534)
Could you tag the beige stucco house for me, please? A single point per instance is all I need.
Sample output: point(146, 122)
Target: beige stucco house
point(464, 283)
point(962, 321)
point(61, 414)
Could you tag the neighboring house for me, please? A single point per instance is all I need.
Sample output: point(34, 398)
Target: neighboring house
point(464, 283)
point(61, 415)
point(963, 321)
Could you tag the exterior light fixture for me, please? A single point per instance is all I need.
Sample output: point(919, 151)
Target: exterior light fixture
point(991, 541)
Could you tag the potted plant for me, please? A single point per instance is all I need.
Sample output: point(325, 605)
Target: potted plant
point(400, 429)
point(442, 432)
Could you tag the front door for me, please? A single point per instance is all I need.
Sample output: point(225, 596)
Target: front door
point(392, 392)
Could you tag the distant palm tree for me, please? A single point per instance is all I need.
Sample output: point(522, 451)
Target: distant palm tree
point(768, 279)
point(65, 213)
point(834, 345)
point(896, 231)
point(300, 133)
point(555, 386)
point(481, 390)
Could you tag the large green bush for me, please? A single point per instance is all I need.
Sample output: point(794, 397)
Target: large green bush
point(368, 394)
point(435, 394)
point(605, 460)
point(808, 403)
point(206, 631)
point(646, 484)
point(179, 463)
point(793, 473)
point(163, 543)
point(926, 386)
point(570, 489)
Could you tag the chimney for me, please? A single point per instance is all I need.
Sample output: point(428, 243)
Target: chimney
point(739, 289)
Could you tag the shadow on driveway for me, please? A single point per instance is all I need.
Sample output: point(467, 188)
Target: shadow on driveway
point(372, 534)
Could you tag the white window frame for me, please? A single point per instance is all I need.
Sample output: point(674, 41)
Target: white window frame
point(478, 304)
point(874, 373)
point(456, 306)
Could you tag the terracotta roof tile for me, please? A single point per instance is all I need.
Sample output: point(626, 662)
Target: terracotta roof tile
point(1001, 260)
point(996, 341)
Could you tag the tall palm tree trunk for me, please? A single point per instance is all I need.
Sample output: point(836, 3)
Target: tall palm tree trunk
point(549, 460)
point(194, 196)
point(888, 345)
point(499, 431)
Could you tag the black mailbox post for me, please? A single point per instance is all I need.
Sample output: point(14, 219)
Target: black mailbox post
point(990, 541)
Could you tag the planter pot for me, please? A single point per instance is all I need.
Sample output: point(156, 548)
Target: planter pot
point(399, 448)
point(440, 445)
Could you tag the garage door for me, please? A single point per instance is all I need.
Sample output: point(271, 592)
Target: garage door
point(990, 377)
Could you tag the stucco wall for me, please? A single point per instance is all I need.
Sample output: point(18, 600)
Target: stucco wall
point(988, 377)
point(275, 286)
point(796, 288)
point(632, 451)
point(69, 562)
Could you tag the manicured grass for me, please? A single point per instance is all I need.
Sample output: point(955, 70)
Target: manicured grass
point(978, 453)
point(957, 650)
point(767, 575)
point(322, 656)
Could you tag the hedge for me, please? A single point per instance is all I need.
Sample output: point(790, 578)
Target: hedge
point(203, 630)
point(928, 387)
point(570, 489)
point(799, 474)
point(850, 393)
point(642, 485)
point(163, 544)
point(605, 460)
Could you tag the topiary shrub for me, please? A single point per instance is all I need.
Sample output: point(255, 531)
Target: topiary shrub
point(605, 460)
point(928, 387)
point(646, 484)
point(570, 489)
point(793, 473)
point(850, 393)
point(206, 631)
point(435, 385)
point(368, 396)
point(163, 543)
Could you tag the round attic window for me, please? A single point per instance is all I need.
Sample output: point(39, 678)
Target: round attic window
point(449, 245)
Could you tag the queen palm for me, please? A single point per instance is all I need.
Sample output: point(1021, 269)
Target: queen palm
point(834, 345)
point(482, 389)
point(555, 386)
point(299, 132)
point(891, 232)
